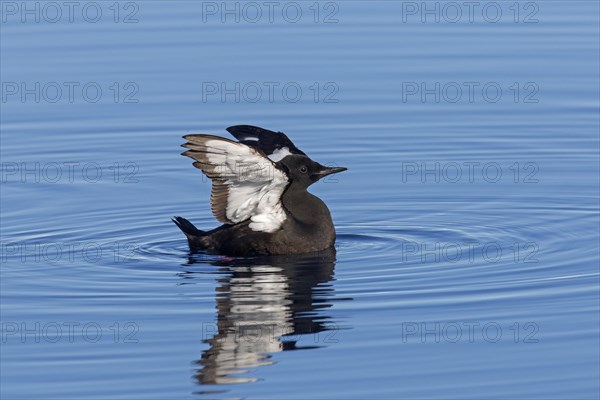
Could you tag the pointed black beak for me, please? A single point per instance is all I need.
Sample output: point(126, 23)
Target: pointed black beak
point(328, 171)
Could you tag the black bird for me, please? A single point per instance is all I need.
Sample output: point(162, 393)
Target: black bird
point(259, 194)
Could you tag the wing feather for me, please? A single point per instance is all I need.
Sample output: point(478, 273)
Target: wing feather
point(245, 184)
point(275, 145)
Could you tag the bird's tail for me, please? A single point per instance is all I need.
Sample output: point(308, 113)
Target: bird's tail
point(191, 232)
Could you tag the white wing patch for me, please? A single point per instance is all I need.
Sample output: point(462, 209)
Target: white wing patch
point(246, 185)
point(279, 154)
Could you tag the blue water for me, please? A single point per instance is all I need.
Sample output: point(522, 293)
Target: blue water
point(468, 228)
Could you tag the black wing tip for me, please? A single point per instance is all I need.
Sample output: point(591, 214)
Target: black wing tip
point(234, 128)
point(240, 130)
point(268, 140)
point(243, 127)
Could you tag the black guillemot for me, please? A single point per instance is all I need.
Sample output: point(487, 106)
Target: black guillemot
point(259, 193)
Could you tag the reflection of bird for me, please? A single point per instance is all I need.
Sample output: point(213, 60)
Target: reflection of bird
point(263, 306)
point(259, 193)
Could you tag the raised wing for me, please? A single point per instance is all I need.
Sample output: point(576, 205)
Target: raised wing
point(245, 184)
point(275, 145)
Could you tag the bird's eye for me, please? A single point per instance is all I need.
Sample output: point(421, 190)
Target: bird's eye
point(303, 169)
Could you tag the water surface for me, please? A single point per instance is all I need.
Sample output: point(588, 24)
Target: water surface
point(466, 264)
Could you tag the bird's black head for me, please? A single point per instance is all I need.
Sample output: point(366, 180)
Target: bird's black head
point(304, 171)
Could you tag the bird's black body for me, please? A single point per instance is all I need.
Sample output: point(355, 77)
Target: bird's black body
point(303, 221)
point(302, 232)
